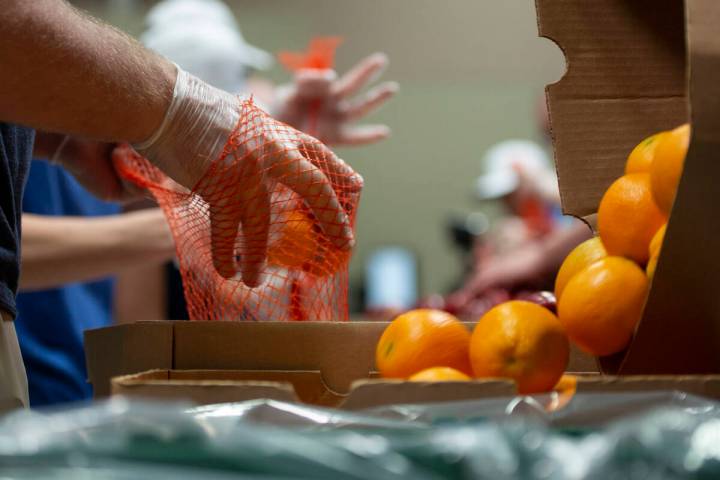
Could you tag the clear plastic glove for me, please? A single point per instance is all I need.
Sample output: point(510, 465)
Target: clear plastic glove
point(196, 128)
point(320, 97)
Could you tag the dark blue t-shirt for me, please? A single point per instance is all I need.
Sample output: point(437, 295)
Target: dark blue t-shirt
point(16, 145)
point(50, 323)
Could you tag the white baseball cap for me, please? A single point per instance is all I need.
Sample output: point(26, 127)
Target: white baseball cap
point(500, 163)
point(203, 37)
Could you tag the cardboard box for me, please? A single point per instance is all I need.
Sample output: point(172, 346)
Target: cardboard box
point(635, 68)
point(327, 363)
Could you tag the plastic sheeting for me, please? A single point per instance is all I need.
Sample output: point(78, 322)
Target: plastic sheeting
point(653, 435)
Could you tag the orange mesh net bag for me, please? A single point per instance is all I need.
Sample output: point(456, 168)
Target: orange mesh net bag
point(225, 215)
point(305, 274)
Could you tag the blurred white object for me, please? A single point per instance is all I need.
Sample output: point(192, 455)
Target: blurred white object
point(502, 163)
point(203, 38)
point(391, 279)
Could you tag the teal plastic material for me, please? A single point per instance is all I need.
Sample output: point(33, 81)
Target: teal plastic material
point(600, 436)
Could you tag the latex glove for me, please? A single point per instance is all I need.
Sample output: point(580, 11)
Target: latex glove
point(196, 128)
point(321, 93)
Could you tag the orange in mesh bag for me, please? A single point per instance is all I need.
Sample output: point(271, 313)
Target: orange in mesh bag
point(306, 274)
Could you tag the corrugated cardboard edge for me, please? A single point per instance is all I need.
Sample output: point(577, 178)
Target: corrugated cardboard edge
point(704, 385)
point(125, 349)
point(209, 387)
point(158, 384)
point(375, 393)
point(680, 331)
point(341, 351)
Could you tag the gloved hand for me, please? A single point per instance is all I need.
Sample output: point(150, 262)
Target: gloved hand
point(321, 94)
point(208, 134)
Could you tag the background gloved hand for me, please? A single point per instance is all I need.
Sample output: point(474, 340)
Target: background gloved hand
point(322, 94)
point(232, 154)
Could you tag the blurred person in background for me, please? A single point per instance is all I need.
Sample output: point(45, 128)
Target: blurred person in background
point(74, 244)
point(524, 250)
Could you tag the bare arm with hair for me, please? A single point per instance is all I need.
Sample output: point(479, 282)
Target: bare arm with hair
point(60, 250)
point(64, 71)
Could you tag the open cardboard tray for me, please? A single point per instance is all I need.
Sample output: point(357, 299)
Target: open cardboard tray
point(221, 386)
point(326, 363)
point(634, 68)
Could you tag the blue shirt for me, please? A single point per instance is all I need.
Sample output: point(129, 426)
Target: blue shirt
point(50, 323)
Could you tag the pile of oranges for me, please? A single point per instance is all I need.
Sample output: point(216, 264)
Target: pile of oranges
point(600, 289)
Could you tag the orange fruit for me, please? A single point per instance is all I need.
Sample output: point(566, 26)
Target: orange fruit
point(667, 166)
point(602, 305)
point(651, 267)
point(643, 154)
point(657, 241)
point(565, 388)
point(522, 341)
point(583, 255)
point(566, 384)
point(421, 339)
point(628, 217)
point(301, 245)
point(439, 374)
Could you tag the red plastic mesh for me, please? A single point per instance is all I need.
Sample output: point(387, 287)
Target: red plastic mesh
point(306, 274)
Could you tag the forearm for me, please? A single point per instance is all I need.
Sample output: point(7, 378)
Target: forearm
point(558, 244)
point(60, 250)
point(66, 72)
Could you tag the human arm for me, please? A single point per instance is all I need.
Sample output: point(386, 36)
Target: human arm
point(60, 250)
point(527, 263)
point(72, 74)
point(69, 71)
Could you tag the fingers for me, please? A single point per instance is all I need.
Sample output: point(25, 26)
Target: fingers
point(371, 101)
point(252, 211)
point(336, 170)
point(308, 181)
point(365, 72)
point(362, 135)
point(310, 84)
point(224, 223)
point(255, 221)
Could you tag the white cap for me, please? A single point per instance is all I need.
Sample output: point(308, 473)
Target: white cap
point(500, 163)
point(202, 37)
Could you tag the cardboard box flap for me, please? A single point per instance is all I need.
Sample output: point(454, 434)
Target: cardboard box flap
point(705, 385)
point(124, 349)
point(201, 388)
point(680, 331)
point(375, 393)
point(625, 80)
point(341, 351)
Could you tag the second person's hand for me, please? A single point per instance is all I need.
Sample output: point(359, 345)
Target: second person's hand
point(323, 98)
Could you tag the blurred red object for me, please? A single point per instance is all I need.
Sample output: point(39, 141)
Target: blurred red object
point(320, 55)
point(544, 299)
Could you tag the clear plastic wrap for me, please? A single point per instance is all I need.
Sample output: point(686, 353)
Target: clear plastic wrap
point(654, 435)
